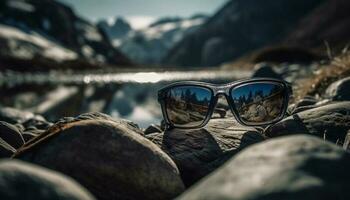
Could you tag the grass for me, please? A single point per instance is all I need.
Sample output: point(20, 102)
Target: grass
point(337, 68)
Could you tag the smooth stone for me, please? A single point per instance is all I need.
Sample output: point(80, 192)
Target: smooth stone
point(292, 167)
point(38, 121)
point(198, 152)
point(6, 150)
point(346, 144)
point(303, 108)
point(331, 122)
point(107, 157)
point(339, 90)
point(264, 70)
point(305, 102)
point(11, 134)
point(20, 180)
point(27, 136)
point(152, 129)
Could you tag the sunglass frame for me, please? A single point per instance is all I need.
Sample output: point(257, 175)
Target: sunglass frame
point(225, 90)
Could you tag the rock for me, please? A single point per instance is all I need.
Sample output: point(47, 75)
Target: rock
point(13, 116)
point(20, 180)
point(302, 108)
point(106, 156)
point(329, 121)
point(38, 121)
point(339, 90)
point(30, 135)
point(6, 150)
point(305, 102)
point(266, 71)
point(101, 116)
point(11, 135)
point(294, 167)
point(197, 152)
point(152, 129)
point(346, 144)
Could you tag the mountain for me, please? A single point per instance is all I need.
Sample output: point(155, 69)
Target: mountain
point(47, 33)
point(117, 30)
point(151, 44)
point(238, 28)
point(330, 22)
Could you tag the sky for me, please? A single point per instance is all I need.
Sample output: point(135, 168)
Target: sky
point(140, 13)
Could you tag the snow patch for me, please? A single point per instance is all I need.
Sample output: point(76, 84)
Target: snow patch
point(28, 44)
point(149, 45)
point(90, 32)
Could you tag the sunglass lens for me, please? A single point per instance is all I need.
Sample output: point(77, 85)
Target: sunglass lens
point(259, 103)
point(188, 106)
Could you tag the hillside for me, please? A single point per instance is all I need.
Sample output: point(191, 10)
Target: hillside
point(39, 28)
point(238, 28)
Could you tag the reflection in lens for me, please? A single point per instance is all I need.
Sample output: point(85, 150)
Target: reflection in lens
point(259, 102)
point(188, 106)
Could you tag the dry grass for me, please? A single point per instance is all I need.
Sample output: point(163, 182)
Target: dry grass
point(339, 67)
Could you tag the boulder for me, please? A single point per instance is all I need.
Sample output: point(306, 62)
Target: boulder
point(152, 129)
point(20, 180)
point(263, 70)
point(197, 152)
point(107, 156)
point(339, 90)
point(305, 102)
point(293, 167)
point(10, 134)
point(346, 144)
point(330, 122)
point(38, 121)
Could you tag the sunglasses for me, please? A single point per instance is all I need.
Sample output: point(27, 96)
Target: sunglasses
point(253, 102)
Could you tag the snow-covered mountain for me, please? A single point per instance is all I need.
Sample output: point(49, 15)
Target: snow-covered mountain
point(45, 33)
point(27, 45)
point(239, 27)
point(149, 45)
point(115, 30)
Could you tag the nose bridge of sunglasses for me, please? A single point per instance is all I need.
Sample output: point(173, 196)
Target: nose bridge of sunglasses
point(221, 90)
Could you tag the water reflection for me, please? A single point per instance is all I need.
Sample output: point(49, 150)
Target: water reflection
point(124, 95)
point(11, 78)
point(258, 102)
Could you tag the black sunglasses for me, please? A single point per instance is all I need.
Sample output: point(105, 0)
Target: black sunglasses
point(253, 102)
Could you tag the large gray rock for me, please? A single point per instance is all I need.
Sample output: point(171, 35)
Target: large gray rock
point(294, 167)
point(108, 157)
point(330, 122)
point(10, 139)
point(11, 134)
point(264, 70)
point(20, 180)
point(197, 152)
point(339, 90)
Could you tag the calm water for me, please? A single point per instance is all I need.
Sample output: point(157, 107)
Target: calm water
point(136, 95)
